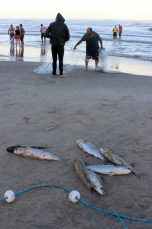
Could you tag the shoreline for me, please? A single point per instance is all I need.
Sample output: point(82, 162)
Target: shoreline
point(43, 54)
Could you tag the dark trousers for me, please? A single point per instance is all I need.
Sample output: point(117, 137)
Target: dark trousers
point(57, 50)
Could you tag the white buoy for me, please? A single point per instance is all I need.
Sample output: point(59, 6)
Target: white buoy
point(10, 196)
point(73, 195)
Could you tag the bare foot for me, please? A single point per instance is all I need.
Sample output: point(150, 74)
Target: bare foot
point(53, 75)
point(62, 76)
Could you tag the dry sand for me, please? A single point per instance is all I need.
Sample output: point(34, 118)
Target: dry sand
point(108, 110)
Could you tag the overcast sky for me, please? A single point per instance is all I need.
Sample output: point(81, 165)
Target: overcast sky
point(78, 9)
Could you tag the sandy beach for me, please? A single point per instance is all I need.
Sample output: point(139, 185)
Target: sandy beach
point(108, 110)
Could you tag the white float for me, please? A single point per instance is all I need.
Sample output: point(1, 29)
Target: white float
point(10, 196)
point(73, 195)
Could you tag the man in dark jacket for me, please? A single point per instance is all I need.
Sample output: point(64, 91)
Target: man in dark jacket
point(59, 34)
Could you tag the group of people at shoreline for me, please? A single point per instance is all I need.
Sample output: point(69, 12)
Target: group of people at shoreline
point(16, 34)
point(58, 33)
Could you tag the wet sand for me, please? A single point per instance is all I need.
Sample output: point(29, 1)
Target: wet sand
point(42, 54)
point(108, 110)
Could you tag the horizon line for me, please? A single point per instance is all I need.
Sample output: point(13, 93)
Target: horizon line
point(78, 19)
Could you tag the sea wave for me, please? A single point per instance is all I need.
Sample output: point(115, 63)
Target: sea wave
point(139, 57)
point(136, 40)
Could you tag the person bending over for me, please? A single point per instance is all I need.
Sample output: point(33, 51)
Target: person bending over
point(92, 46)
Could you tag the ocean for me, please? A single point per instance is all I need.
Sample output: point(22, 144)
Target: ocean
point(135, 43)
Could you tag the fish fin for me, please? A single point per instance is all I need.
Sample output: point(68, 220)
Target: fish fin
point(139, 174)
point(39, 147)
point(91, 189)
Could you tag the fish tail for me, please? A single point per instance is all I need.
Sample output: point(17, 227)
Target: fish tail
point(139, 174)
point(105, 161)
point(64, 160)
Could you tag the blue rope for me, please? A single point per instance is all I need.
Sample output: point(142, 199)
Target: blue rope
point(40, 186)
point(94, 208)
point(3, 199)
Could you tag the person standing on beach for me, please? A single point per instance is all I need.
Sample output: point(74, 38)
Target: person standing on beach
point(115, 30)
point(22, 31)
point(42, 30)
point(17, 35)
point(59, 35)
point(92, 46)
point(11, 31)
point(120, 30)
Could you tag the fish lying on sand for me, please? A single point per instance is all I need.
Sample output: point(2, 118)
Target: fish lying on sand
point(91, 149)
point(96, 181)
point(82, 172)
point(119, 161)
point(109, 169)
point(38, 154)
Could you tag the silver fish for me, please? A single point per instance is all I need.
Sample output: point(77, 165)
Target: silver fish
point(38, 154)
point(119, 161)
point(91, 149)
point(109, 169)
point(82, 172)
point(96, 181)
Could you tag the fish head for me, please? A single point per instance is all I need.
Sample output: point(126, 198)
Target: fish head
point(80, 141)
point(104, 151)
point(19, 151)
point(100, 190)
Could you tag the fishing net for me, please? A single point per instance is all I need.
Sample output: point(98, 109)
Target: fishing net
point(103, 56)
point(73, 58)
point(49, 207)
